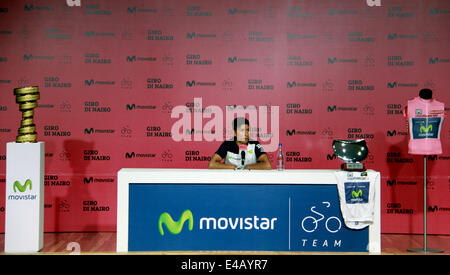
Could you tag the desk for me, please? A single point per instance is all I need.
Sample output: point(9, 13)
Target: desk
point(226, 210)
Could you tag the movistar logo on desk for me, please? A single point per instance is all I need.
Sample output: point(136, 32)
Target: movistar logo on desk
point(175, 227)
point(212, 223)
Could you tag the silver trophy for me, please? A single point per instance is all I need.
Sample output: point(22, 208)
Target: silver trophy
point(352, 152)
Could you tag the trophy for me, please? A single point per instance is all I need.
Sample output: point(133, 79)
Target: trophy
point(27, 98)
point(352, 152)
point(25, 169)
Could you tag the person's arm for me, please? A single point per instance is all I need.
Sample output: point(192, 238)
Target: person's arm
point(262, 164)
point(216, 163)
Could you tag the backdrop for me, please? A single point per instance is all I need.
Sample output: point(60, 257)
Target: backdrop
point(111, 72)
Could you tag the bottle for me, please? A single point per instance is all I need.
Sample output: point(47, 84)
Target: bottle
point(280, 158)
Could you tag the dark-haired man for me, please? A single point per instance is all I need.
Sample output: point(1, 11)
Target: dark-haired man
point(240, 153)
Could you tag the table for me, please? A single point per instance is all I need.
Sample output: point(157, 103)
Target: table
point(226, 210)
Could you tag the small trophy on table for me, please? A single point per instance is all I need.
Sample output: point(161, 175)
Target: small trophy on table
point(352, 152)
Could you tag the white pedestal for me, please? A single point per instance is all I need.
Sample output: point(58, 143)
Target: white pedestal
point(24, 204)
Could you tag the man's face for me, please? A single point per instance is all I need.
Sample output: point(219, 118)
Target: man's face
point(242, 133)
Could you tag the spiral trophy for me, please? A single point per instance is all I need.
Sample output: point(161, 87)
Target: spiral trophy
point(27, 98)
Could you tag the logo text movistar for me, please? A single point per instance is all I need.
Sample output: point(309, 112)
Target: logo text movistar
point(248, 223)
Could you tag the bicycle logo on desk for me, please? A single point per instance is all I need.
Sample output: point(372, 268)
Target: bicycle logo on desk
point(332, 224)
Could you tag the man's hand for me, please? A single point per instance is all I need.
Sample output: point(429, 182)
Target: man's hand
point(216, 163)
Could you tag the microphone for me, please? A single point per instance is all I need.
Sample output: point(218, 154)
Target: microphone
point(242, 149)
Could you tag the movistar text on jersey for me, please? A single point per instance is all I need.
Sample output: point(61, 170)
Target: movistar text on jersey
point(249, 223)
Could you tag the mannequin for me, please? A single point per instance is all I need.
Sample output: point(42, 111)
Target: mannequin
point(426, 94)
point(425, 116)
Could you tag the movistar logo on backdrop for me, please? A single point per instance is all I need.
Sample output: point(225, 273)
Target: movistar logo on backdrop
point(235, 59)
point(395, 84)
point(32, 7)
point(437, 11)
point(212, 223)
point(175, 227)
point(194, 35)
point(30, 56)
point(437, 60)
point(234, 11)
point(334, 60)
point(146, 10)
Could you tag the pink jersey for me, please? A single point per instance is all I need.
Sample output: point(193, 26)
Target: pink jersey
point(425, 119)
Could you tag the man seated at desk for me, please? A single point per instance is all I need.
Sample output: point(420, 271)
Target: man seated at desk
point(240, 153)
